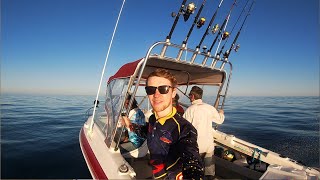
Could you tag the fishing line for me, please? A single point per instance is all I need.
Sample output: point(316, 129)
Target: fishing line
point(219, 35)
point(205, 33)
point(227, 54)
point(224, 30)
point(245, 6)
point(223, 27)
point(104, 67)
point(220, 52)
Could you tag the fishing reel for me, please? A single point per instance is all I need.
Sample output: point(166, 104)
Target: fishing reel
point(236, 49)
point(229, 155)
point(201, 22)
point(189, 9)
point(225, 35)
point(215, 28)
point(226, 54)
point(204, 48)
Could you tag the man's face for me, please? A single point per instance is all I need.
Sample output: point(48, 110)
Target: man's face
point(126, 103)
point(191, 97)
point(161, 103)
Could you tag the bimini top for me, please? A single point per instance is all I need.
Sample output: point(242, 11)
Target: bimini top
point(185, 72)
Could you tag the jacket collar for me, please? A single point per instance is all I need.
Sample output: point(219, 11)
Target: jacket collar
point(162, 120)
point(198, 101)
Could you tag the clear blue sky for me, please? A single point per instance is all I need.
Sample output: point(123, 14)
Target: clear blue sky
point(59, 46)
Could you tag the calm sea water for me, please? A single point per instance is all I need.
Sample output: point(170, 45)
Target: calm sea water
point(39, 134)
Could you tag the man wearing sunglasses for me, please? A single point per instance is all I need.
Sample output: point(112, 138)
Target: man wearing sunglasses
point(201, 115)
point(172, 140)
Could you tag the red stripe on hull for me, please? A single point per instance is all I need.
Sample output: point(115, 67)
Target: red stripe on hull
point(92, 161)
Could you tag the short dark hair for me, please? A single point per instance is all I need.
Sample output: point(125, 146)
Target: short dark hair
point(164, 74)
point(177, 97)
point(197, 92)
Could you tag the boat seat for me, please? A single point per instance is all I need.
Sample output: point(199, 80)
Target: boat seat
point(137, 153)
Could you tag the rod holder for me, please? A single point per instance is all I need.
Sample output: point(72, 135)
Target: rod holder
point(224, 63)
point(183, 47)
point(164, 49)
point(195, 55)
point(215, 60)
point(205, 59)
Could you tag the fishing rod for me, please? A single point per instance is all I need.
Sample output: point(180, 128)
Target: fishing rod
point(221, 29)
point(223, 37)
point(206, 33)
point(199, 24)
point(181, 11)
point(227, 53)
point(220, 52)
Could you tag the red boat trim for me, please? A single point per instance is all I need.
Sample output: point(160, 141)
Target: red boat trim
point(92, 161)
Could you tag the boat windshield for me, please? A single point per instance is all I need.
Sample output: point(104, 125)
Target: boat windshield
point(115, 94)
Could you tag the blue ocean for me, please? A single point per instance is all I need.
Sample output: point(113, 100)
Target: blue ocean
point(40, 134)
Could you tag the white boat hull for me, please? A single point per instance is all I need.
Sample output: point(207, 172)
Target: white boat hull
point(103, 162)
point(278, 166)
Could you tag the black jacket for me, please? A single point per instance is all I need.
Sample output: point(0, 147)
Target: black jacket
point(172, 142)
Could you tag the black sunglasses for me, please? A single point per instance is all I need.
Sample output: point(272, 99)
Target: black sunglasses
point(162, 89)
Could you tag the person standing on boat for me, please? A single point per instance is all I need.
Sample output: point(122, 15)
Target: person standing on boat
point(172, 140)
point(134, 124)
point(201, 115)
point(176, 104)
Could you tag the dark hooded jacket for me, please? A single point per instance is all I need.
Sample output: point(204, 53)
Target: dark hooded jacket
point(172, 142)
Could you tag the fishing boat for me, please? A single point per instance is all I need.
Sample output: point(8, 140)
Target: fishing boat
point(234, 158)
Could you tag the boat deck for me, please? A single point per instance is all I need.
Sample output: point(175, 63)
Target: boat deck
point(141, 167)
point(224, 169)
